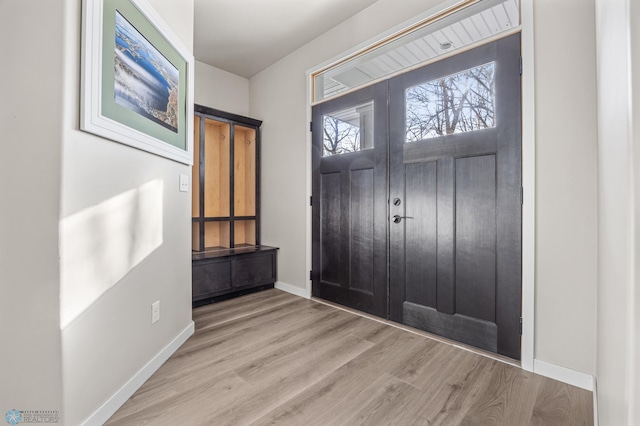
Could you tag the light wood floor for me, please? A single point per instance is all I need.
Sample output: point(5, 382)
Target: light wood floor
point(271, 358)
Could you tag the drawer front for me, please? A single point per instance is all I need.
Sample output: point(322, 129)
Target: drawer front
point(211, 278)
point(257, 269)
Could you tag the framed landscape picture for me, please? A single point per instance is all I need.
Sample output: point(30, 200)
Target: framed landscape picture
point(137, 79)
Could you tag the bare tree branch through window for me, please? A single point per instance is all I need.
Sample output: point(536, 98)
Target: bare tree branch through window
point(339, 136)
point(348, 130)
point(457, 103)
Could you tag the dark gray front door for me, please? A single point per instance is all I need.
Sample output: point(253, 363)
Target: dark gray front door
point(455, 191)
point(350, 200)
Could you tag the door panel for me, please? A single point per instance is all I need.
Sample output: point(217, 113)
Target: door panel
point(475, 261)
point(421, 241)
point(455, 257)
point(350, 200)
point(472, 331)
point(331, 225)
point(361, 244)
point(446, 236)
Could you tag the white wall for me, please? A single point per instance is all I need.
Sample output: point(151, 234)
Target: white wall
point(566, 183)
point(618, 356)
point(219, 89)
point(125, 243)
point(566, 233)
point(30, 122)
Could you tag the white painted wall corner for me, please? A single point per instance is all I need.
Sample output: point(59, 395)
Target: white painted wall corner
point(102, 414)
point(293, 289)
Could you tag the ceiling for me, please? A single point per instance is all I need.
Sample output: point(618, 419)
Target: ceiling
point(246, 36)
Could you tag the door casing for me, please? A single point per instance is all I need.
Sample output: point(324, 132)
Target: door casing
point(528, 168)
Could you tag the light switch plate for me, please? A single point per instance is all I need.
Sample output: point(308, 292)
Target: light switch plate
point(155, 312)
point(184, 183)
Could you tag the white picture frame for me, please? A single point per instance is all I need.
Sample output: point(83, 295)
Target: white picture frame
point(101, 115)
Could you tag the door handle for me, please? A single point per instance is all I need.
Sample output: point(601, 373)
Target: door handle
point(398, 218)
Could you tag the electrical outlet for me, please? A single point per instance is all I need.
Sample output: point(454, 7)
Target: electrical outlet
point(184, 183)
point(155, 312)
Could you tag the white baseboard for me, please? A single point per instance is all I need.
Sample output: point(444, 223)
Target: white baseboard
point(293, 289)
point(563, 374)
point(595, 401)
point(102, 414)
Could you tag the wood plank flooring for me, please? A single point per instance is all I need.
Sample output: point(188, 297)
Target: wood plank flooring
point(271, 358)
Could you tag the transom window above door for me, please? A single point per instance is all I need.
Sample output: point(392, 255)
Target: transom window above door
point(463, 25)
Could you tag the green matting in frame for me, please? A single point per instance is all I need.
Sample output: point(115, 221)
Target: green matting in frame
point(116, 110)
